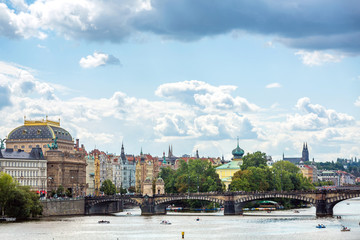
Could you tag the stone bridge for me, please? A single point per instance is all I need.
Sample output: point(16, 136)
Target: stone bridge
point(233, 202)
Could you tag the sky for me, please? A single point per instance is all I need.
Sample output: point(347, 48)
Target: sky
point(195, 75)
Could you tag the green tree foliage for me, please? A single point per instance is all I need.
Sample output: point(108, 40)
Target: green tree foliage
point(283, 176)
point(7, 185)
point(60, 191)
point(108, 188)
point(18, 201)
point(132, 189)
point(256, 159)
point(197, 175)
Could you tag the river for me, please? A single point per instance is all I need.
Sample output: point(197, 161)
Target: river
point(253, 225)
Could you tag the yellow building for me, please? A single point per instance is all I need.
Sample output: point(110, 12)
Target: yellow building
point(226, 171)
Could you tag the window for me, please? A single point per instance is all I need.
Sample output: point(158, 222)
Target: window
point(30, 146)
point(15, 146)
point(24, 132)
point(45, 146)
point(23, 146)
point(39, 131)
point(37, 146)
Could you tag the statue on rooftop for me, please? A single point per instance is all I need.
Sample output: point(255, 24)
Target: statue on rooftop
point(54, 145)
point(2, 143)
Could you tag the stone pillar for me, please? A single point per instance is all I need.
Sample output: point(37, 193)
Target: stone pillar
point(323, 209)
point(229, 208)
point(160, 209)
point(147, 207)
point(239, 208)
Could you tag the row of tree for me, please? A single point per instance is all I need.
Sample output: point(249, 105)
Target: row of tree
point(17, 201)
point(195, 176)
point(255, 175)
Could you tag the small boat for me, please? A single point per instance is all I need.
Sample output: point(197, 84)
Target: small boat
point(129, 213)
point(296, 211)
point(345, 229)
point(103, 221)
point(197, 219)
point(268, 211)
point(338, 217)
point(320, 226)
point(7, 219)
point(165, 222)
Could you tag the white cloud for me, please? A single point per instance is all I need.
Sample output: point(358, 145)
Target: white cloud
point(269, 44)
point(211, 119)
point(317, 117)
point(209, 98)
point(357, 102)
point(274, 85)
point(98, 59)
point(317, 58)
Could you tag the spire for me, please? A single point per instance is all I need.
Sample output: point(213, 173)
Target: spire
point(197, 153)
point(237, 141)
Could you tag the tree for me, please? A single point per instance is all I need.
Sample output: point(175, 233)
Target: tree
point(131, 189)
point(108, 188)
point(18, 201)
point(256, 159)
point(60, 191)
point(286, 166)
point(7, 185)
point(195, 176)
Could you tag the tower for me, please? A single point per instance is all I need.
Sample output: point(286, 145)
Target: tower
point(122, 156)
point(305, 153)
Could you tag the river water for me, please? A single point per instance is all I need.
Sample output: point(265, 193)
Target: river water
point(253, 225)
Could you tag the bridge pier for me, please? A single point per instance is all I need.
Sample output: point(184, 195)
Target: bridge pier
point(148, 207)
point(324, 209)
point(232, 208)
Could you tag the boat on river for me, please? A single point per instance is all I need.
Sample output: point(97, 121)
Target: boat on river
point(7, 219)
point(165, 222)
point(103, 221)
point(345, 229)
point(320, 226)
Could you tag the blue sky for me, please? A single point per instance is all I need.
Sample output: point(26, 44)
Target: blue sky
point(191, 74)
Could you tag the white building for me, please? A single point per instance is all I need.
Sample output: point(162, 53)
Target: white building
point(29, 169)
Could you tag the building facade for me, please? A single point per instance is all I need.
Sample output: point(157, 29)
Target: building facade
point(28, 169)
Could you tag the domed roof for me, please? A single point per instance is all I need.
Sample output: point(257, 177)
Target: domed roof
point(160, 181)
point(148, 181)
point(237, 152)
point(40, 130)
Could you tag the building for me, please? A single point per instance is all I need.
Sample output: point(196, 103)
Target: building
point(28, 169)
point(128, 169)
point(68, 170)
point(147, 167)
point(329, 175)
point(296, 160)
point(90, 174)
point(66, 163)
point(345, 178)
point(40, 134)
point(227, 171)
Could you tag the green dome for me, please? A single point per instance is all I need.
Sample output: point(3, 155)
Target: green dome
point(237, 152)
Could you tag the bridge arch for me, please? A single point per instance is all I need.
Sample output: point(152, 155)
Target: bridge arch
point(170, 199)
point(244, 199)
